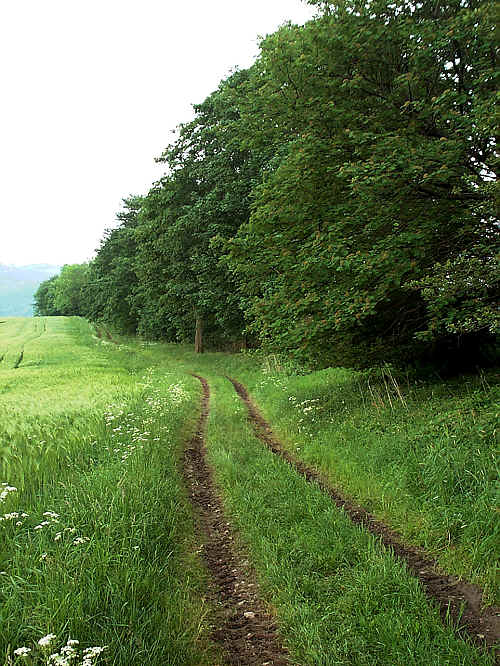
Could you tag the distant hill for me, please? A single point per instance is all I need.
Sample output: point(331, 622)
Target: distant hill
point(18, 285)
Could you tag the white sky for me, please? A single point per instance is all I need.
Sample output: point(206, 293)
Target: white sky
point(90, 90)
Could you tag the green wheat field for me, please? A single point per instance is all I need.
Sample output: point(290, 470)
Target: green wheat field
point(99, 559)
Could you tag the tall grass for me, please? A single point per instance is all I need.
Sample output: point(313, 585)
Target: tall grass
point(101, 550)
point(97, 540)
point(422, 455)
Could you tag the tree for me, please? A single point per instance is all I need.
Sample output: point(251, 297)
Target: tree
point(183, 285)
point(44, 305)
point(69, 290)
point(112, 280)
point(381, 182)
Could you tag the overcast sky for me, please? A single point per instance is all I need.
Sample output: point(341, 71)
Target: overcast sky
point(90, 91)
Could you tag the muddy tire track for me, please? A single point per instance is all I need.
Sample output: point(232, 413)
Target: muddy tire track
point(110, 337)
point(242, 626)
point(458, 599)
point(19, 360)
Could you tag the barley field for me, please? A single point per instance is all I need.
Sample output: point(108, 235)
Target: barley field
point(95, 531)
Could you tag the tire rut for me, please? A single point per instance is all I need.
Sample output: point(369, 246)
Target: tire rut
point(19, 360)
point(242, 626)
point(458, 599)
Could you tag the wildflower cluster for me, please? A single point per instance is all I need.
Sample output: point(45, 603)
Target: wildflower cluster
point(49, 519)
point(13, 515)
point(67, 655)
point(309, 409)
point(127, 435)
point(273, 381)
point(52, 518)
point(130, 431)
point(5, 492)
point(16, 517)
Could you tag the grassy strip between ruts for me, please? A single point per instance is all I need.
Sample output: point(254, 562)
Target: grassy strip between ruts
point(103, 555)
point(339, 596)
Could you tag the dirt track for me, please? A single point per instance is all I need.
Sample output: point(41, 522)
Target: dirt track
point(242, 626)
point(457, 599)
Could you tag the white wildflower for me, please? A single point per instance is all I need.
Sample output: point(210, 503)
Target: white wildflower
point(9, 516)
point(22, 651)
point(6, 489)
point(46, 640)
point(92, 652)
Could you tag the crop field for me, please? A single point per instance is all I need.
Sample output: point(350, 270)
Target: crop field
point(161, 507)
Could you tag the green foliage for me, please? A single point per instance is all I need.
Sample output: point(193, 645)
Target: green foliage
point(203, 200)
point(69, 289)
point(383, 174)
point(64, 294)
point(112, 281)
point(45, 298)
point(461, 294)
point(336, 201)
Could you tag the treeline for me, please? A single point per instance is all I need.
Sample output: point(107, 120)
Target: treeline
point(335, 201)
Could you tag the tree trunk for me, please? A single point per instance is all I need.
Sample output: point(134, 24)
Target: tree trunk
point(198, 336)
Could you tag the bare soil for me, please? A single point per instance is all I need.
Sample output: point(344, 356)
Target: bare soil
point(457, 599)
point(243, 627)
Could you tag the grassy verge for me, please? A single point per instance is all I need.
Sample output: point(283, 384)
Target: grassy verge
point(104, 554)
point(339, 596)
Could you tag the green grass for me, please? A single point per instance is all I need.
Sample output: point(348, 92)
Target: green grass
point(427, 463)
point(94, 432)
point(132, 582)
point(15, 333)
point(422, 456)
point(340, 597)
